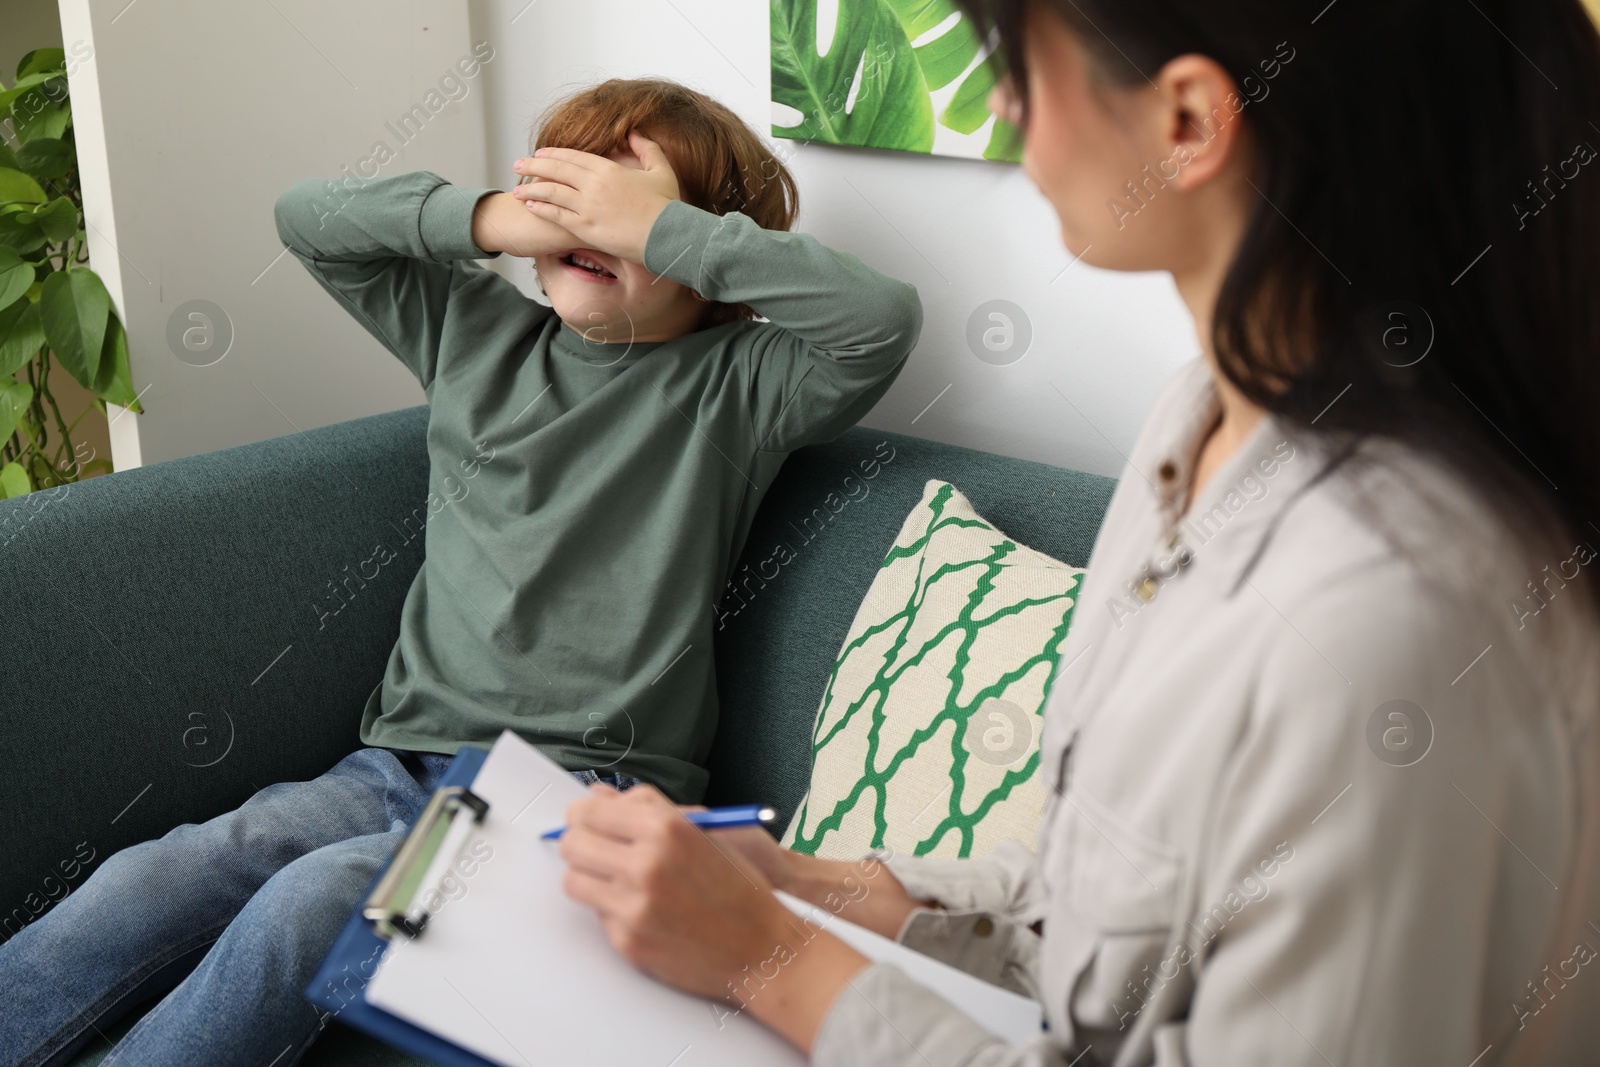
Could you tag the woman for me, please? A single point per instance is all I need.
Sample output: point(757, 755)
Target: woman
point(1321, 761)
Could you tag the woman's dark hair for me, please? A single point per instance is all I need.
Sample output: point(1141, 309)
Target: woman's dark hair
point(1428, 172)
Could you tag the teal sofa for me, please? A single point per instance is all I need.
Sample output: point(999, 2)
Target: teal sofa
point(172, 646)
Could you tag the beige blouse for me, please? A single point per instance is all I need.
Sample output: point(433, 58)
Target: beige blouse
point(1316, 771)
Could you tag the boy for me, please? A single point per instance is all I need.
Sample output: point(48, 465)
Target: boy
point(617, 445)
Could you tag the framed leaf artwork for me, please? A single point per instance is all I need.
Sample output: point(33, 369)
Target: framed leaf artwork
point(910, 75)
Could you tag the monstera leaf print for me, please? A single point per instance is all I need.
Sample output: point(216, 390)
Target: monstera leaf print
point(867, 89)
point(947, 55)
point(869, 51)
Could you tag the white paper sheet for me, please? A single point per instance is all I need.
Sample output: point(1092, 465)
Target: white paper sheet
point(519, 973)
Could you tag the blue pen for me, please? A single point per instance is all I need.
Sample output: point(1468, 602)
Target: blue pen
point(736, 815)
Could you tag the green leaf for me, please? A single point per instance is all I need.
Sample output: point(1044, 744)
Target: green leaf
point(42, 60)
point(14, 281)
point(21, 336)
point(22, 88)
point(8, 158)
point(14, 400)
point(114, 383)
point(944, 57)
point(74, 308)
point(46, 158)
point(869, 52)
point(1005, 143)
point(16, 276)
point(920, 16)
point(22, 239)
point(14, 481)
point(969, 108)
point(58, 219)
point(15, 185)
point(49, 120)
point(30, 430)
point(43, 476)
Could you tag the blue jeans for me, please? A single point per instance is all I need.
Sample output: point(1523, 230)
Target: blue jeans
point(236, 913)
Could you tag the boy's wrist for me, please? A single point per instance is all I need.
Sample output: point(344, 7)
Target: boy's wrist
point(493, 221)
point(649, 214)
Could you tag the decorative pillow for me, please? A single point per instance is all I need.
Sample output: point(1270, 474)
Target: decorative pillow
point(927, 739)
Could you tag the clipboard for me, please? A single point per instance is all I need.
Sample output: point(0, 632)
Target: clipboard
point(339, 985)
point(469, 985)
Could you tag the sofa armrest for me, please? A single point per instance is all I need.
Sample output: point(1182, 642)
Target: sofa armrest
point(177, 640)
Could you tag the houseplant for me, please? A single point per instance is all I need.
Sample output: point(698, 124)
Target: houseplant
point(55, 313)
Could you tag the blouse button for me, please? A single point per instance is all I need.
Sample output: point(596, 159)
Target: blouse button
point(983, 927)
point(1168, 470)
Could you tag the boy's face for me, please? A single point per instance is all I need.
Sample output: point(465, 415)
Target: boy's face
point(610, 301)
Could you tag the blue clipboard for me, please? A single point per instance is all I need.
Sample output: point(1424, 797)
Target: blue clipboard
point(340, 983)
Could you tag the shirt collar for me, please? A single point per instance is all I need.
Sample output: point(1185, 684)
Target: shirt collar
point(1237, 511)
point(567, 342)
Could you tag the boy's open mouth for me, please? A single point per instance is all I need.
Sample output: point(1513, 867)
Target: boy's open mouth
point(587, 266)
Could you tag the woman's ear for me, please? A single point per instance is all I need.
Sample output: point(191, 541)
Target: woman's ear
point(1201, 116)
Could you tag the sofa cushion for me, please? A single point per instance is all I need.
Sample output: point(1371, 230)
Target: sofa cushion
point(813, 551)
point(927, 739)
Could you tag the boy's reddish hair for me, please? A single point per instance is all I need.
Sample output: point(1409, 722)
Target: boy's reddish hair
point(720, 162)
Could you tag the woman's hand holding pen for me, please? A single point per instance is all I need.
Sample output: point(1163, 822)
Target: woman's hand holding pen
point(694, 907)
point(672, 900)
point(608, 205)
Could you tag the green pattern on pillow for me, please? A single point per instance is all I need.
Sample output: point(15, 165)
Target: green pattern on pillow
point(927, 738)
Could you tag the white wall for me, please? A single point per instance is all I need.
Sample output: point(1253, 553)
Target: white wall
point(964, 232)
point(191, 117)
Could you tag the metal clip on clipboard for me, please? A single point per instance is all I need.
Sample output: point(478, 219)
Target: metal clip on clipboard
point(400, 900)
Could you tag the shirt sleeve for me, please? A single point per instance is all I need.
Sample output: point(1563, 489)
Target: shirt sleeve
point(392, 252)
point(885, 1018)
point(987, 906)
point(839, 331)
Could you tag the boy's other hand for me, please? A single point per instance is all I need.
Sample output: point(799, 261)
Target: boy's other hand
point(608, 203)
point(501, 224)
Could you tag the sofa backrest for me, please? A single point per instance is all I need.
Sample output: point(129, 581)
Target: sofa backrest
point(186, 632)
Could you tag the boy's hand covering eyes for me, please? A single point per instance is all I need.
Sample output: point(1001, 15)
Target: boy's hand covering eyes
point(607, 206)
point(502, 223)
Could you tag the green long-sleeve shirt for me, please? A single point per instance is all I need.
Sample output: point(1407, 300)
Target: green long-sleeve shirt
point(588, 504)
